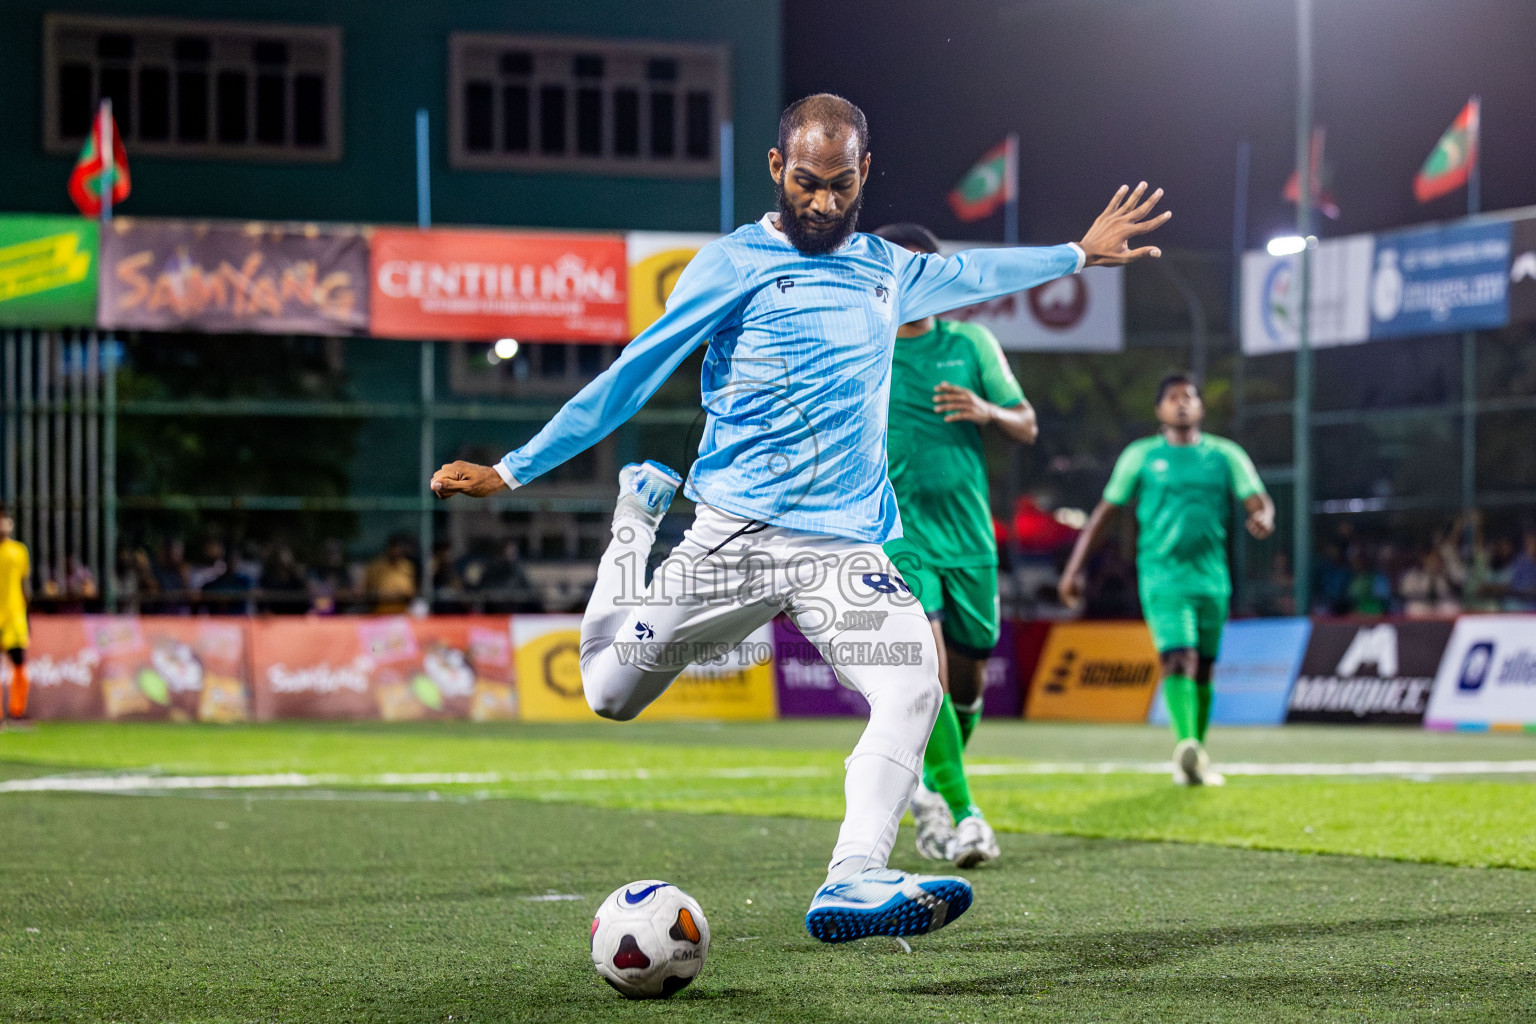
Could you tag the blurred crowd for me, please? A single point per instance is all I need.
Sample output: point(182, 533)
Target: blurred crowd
point(268, 578)
point(1460, 569)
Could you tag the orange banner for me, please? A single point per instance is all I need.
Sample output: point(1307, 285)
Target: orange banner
point(151, 668)
point(1094, 672)
point(392, 668)
point(485, 285)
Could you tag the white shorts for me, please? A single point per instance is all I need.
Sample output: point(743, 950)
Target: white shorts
point(728, 577)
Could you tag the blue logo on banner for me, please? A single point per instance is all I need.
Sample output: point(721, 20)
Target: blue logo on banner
point(1475, 667)
point(1440, 280)
point(1259, 661)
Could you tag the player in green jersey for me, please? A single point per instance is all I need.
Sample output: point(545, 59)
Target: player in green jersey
point(1183, 482)
point(948, 380)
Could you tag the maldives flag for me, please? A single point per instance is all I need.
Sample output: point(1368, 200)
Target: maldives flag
point(85, 180)
point(1322, 199)
point(1454, 156)
point(987, 185)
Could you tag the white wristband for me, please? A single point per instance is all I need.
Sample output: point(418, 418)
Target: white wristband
point(1082, 257)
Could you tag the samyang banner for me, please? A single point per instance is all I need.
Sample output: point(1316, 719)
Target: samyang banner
point(486, 285)
point(48, 271)
point(128, 668)
point(1368, 673)
point(233, 277)
point(389, 668)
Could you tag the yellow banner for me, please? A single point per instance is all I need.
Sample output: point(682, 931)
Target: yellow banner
point(656, 258)
point(1094, 672)
point(549, 678)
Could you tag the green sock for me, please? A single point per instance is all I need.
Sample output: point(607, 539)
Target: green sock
point(1205, 695)
point(943, 771)
point(1183, 712)
point(969, 715)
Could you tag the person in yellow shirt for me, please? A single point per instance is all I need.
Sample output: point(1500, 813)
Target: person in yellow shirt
point(15, 576)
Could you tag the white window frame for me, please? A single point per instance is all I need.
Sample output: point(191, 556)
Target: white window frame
point(717, 82)
point(328, 37)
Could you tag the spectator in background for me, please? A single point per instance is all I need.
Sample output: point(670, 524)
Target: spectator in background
point(1521, 586)
point(211, 567)
point(1333, 579)
point(390, 580)
point(504, 574)
point(135, 578)
point(283, 577)
point(1370, 587)
point(1427, 589)
point(330, 582)
point(1275, 595)
point(172, 574)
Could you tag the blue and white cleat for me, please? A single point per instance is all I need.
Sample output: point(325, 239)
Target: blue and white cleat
point(884, 901)
point(645, 491)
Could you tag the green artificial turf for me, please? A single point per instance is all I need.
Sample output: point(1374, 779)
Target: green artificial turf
point(358, 901)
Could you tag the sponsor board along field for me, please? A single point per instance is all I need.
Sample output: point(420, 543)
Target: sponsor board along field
point(431, 869)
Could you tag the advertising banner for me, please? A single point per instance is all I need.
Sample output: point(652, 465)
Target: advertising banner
point(1028, 645)
point(1379, 674)
point(48, 271)
point(485, 285)
point(138, 669)
point(808, 688)
point(1076, 313)
point(1340, 296)
point(656, 258)
point(1522, 271)
point(739, 687)
point(1440, 280)
point(233, 277)
point(1094, 672)
point(1253, 676)
point(391, 668)
point(1487, 679)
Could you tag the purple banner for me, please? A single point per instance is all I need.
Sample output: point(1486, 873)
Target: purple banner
point(808, 688)
point(1004, 692)
point(233, 277)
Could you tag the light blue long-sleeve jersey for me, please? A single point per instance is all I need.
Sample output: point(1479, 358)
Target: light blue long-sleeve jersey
point(796, 382)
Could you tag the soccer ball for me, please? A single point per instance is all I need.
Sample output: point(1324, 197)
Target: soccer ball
point(649, 939)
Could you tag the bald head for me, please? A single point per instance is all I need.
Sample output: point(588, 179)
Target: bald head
point(827, 115)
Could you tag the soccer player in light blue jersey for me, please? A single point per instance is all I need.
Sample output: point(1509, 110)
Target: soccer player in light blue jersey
point(799, 313)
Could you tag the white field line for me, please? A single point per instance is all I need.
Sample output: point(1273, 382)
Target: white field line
point(141, 782)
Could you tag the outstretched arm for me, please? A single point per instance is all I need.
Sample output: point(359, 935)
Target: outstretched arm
point(707, 292)
point(931, 284)
point(1071, 586)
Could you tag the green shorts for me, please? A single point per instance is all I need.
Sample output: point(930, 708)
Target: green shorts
point(1186, 620)
point(963, 599)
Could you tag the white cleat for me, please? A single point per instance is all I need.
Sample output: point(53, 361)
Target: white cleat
point(935, 827)
point(645, 492)
point(975, 843)
point(1192, 766)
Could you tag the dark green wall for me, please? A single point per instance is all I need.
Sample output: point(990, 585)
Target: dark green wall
point(395, 60)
